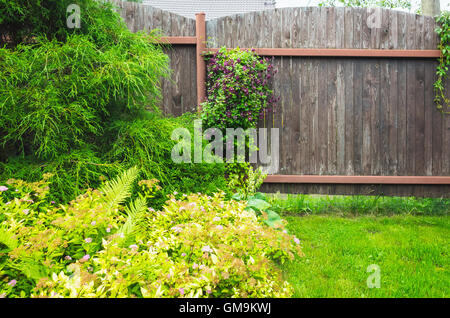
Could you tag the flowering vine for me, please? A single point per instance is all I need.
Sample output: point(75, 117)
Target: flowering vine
point(443, 31)
point(238, 89)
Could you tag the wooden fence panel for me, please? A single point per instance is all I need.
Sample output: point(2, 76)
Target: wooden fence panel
point(179, 92)
point(337, 115)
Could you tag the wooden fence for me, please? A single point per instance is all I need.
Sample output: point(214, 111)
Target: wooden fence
point(356, 114)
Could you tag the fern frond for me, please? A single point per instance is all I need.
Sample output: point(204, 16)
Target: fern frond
point(31, 268)
point(135, 213)
point(118, 189)
point(7, 239)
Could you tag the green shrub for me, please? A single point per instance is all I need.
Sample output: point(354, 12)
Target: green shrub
point(146, 142)
point(57, 96)
point(100, 246)
point(75, 102)
point(135, 139)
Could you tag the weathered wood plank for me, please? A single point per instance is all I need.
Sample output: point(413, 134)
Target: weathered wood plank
point(267, 25)
point(331, 108)
point(365, 30)
point(392, 118)
point(340, 117)
point(357, 27)
point(401, 20)
point(330, 27)
point(402, 119)
point(446, 136)
point(348, 28)
point(410, 118)
point(385, 111)
point(349, 116)
point(300, 117)
point(314, 125)
point(211, 34)
point(312, 40)
point(321, 34)
point(428, 119)
point(393, 29)
point(419, 119)
point(375, 118)
point(340, 27)
point(322, 142)
point(276, 28)
point(300, 28)
point(385, 27)
point(367, 101)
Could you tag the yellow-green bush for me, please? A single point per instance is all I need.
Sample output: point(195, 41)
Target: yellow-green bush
point(104, 245)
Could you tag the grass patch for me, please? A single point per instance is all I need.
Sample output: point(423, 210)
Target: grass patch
point(411, 251)
point(358, 205)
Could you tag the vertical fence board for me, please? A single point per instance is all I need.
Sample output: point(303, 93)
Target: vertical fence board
point(349, 116)
point(385, 110)
point(340, 117)
point(322, 138)
point(340, 27)
point(367, 100)
point(375, 118)
point(420, 119)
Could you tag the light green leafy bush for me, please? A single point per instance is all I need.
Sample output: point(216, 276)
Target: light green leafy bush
point(104, 244)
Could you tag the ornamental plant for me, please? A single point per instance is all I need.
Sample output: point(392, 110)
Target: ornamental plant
point(104, 244)
point(83, 103)
point(238, 89)
point(441, 100)
point(239, 94)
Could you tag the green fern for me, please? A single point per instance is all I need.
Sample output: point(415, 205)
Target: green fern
point(31, 268)
point(7, 239)
point(118, 190)
point(135, 214)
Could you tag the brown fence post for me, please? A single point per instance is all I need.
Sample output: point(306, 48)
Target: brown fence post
point(200, 27)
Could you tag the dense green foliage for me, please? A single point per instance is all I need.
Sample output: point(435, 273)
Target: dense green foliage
point(56, 97)
point(239, 93)
point(441, 100)
point(359, 205)
point(392, 4)
point(139, 139)
point(410, 251)
point(74, 102)
point(23, 20)
point(100, 246)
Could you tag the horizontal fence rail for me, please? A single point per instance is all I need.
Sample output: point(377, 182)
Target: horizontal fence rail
point(343, 52)
point(316, 52)
point(357, 179)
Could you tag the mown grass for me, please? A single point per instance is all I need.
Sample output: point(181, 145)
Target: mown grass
point(342, 236)
point(412, 253)
point(358, 205)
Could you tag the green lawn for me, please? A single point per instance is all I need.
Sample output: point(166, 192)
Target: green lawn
point(412, 253)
